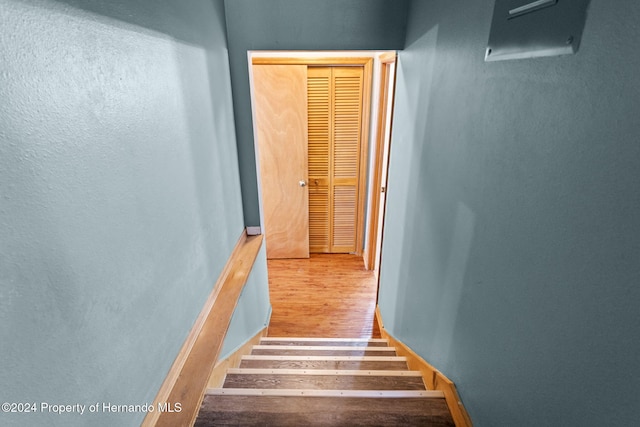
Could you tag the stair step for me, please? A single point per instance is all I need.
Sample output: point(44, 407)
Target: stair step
point(297, 410)
point(325, 372)
point(299, 379)
point(325, 362)
point(314, 350)
point(352, 342)
point(356, 358)
point(396, 394)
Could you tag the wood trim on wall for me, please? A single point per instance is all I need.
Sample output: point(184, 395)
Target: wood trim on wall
point(328, 61)
point(434, 379)
point(374, 215)
point(388, 57)
point(187, 379)
point(219, 372)
point(371, 247)
point(364, 154)
point(356, 61)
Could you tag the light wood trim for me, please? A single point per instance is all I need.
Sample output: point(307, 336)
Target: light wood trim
point(216, 379)
point(383, 99)
point(339, 372)
point(434, 379)
point(374, 214)
point(364, 153)
point(176, 367)
point(307, 339)
point(323, 61)
point(388, 57)
point(323, 348)
point(429, 394)
point(189, 374)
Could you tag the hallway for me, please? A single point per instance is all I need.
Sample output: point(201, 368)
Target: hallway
point(129, 190)
point(323, 296)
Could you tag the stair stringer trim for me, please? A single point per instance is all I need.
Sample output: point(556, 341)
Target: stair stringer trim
point(434, 379)
point(219, 372)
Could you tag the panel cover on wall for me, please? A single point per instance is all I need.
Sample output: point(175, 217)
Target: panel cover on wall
point(528, 28)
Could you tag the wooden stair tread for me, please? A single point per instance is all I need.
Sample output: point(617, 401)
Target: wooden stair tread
point(324, 372)
point(324, 363)
point(333, 358)
point(322, 411)
point(323, 382)
point(322, 350)
point(319, 382)
point(322, 347)
point(352, 342)
point(381, 394)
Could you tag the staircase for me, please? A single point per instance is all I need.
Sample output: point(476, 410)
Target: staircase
point(323, 382)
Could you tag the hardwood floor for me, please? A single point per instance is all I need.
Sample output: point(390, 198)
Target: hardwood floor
point(327, 295)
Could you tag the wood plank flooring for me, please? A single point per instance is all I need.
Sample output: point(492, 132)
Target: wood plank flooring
point(327, 295)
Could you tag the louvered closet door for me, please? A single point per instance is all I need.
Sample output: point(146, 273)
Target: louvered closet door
point(319, 128)
point(347, 104)
point(335, 114)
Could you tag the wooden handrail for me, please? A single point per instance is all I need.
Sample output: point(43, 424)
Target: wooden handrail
point(187, 380)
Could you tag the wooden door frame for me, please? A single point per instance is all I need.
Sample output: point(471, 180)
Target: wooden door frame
point(383, 98)
point(355, 61)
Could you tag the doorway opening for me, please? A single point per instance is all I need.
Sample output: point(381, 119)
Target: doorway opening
point(321, 165)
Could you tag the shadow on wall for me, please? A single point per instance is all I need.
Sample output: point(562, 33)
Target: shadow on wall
point(409, 147)
point(205, 87)
point(117, 215)
point(544, 155)
point(206, 120)
point(164, 16)
point(426, 299)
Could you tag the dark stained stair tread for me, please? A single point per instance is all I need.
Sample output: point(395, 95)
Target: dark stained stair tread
point(322, 411)
point(336, 382)
point(310, 362)
point(324, 364)
point(351, 342)
point(323, 382)
point(322, 350)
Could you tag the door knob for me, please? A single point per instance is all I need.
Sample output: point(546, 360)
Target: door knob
point(303, 183)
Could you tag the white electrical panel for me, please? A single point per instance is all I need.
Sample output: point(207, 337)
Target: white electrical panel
point(528, 29)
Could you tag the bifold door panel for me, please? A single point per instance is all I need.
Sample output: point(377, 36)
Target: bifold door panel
point(334, 103)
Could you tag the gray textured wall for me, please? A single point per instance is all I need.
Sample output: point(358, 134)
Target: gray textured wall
point(119, 196)
point(511, 257)
point(298, 25)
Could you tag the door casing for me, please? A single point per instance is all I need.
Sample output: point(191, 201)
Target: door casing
point(375, 232)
